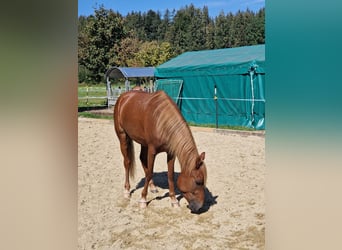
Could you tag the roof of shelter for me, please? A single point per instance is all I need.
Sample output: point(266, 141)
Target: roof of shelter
point(233, 60)
point(128, 72)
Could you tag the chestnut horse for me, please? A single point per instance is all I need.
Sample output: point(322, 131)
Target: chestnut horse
point(155, 122)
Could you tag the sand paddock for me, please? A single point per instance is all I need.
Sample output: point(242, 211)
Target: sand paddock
point(234, 212)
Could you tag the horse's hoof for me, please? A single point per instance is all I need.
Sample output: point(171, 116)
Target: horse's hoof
point(175, 204)
point(153, 188)
point(127, 194)
point(142, 203)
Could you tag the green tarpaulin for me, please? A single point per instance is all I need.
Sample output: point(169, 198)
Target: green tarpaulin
point(236, 74)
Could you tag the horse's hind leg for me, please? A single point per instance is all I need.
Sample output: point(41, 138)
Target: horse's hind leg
point(148, 175)
point(127, 150)
point(143, 159)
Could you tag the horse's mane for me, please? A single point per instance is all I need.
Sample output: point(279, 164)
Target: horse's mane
point(172, 127)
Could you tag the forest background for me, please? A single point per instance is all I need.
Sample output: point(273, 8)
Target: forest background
point(151, 38)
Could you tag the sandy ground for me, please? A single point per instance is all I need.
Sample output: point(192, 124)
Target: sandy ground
point(234, 214)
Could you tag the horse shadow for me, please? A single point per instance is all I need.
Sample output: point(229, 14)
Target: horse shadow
point(210, 200)
point(160, 180)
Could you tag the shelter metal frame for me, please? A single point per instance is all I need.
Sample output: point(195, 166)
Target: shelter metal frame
point(127, 73)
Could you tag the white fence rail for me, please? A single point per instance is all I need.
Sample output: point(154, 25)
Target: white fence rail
point(89, 96)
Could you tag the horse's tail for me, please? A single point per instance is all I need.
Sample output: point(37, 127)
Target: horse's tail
point(130, 154)
point(124, 138)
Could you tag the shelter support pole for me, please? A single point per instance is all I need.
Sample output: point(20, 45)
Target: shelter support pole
point(109, 94)
point(127, 84)
point(216, 105)
point(151, 88)
point(251, 73)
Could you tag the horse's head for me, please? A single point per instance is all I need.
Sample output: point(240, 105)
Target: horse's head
point(192, 186)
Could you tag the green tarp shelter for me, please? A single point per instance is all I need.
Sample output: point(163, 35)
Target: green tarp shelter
point(225, 87)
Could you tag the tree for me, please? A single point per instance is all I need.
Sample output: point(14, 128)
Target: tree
point(152, 21)
point(189, 29)
point(124, 53)
point(100, 35)
point(83, 73)
point(149, 39)
point(220, 30)
point(164, 26)
point(134, 25)
point(259, 26)
point(209, 29)
point(153, 53)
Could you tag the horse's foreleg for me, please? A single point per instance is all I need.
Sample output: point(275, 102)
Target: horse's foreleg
point(148, 175)
point(170, 178)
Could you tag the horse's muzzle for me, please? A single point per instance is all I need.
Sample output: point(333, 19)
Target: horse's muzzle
point(195, 206)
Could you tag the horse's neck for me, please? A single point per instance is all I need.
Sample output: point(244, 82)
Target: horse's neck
point(187, 153)
point(178, 137)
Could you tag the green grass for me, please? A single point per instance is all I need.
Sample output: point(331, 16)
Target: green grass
point(92, 102)
point(92, 96)
point(96, 116)
point(96, 90)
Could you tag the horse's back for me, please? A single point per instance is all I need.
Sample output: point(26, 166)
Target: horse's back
point(140, 100)
point(131, 106)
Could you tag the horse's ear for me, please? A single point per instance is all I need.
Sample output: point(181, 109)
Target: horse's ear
point(202, 156)
point(200, 160)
